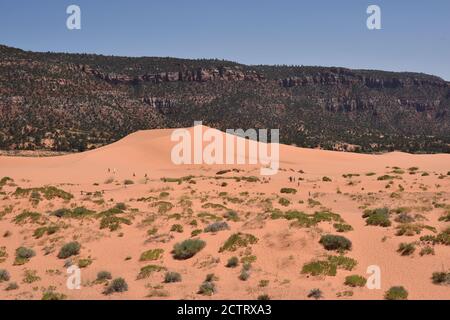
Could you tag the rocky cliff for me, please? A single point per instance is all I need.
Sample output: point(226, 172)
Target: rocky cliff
point(69, 102)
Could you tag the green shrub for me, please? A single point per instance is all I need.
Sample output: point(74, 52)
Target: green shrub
point(171, 277)
point(284, 202)
point(355, 281)
point(332, 242)
point(23, 255)
point(441, 277)
point(117, 285)
point(30, 276)
point(83, 263)
point(12, 286)
point(263, 297)
point(396, 293)
point(342, 227)
point(207, 288)
point(196, 232)
point(385, 177)
point(329, 266)
point(406, 249)
point(231, 215)
point(427, 250)
point(244, 275)
point(113, 222)
point(217, 226)
point(27, 216)
point(51, 295)
point(377, 217)
point(315, 294)
point(238, 240)
point(40, 232)
point(288, 190)
point(233, 262)
point(177, 228)
point(4, 275)
point(326, 179)
point(103, 276)
point(69, 249)
point(121, 206)
point(187, 248)
point(151, 255)
point(146, 271)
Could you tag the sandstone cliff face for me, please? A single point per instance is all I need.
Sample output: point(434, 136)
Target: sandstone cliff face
point(344, 77)
point(199, 75)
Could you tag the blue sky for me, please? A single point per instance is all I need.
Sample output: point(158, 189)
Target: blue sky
point(415, 35)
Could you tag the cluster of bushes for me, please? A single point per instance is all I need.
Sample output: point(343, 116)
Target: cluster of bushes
point(238, 240)
point(329, 266)
point(217, 226)
point(187, 249)
point(172, 277)
point(333, 242)
point(146, 271)
point(441, 278)
point(69, 249)
point(116, 285)
point(406, 249)
point(150, 255)
point(23, 255)
point(396, 293)
point(377, 217)
point(208, 287)
point(355, 281)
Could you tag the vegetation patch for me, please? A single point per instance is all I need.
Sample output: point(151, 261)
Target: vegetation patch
point(187, 249)
point(151, 255)
point(238, 240)
point(355, 281)
point(377, 217)
point(172, 277)
point(117, 285)
point(342, 227)
point(79, 212)
point(51, 295)
point(217, 226)
point(208, 288)
point(148, 270)
point(333, 242)
point(40, 232)
point(69, 249)
point(406, 249)
point(396, 293)
point(441, 278)
point(30, 276)
point(113, 222)
point(411, 229)
point(48, 192)
point(3, 254)
point(233, 262)
point(26, 216)
point(23, 255)
point(288, 190)
point(4, 275)
point(284, 202)
point(329, 266)
point(163, 206)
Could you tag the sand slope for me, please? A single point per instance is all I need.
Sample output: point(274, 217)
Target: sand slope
point(95, 179)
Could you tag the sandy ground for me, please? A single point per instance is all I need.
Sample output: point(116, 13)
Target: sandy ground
point(419, 184)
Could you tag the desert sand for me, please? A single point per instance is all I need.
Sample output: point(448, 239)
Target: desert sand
point(159, 204)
